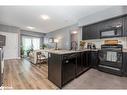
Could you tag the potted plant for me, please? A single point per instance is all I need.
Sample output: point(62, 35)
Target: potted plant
point(82, 44)
point(44, 46)
point(28, 51)
point(22, 52)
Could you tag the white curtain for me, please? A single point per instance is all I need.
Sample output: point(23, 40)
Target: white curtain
point(36, 43)
point(30, 43)
point(27, 43)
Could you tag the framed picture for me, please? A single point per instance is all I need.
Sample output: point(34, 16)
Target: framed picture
point(51, 40)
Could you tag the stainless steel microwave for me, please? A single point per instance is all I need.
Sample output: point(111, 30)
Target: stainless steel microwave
point(111, 32)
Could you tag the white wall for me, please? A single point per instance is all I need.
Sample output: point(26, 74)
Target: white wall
point(102, 15)
point(11, 48)
point(64, 36)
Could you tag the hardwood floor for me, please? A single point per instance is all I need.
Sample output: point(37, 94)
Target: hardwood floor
point(21, 74)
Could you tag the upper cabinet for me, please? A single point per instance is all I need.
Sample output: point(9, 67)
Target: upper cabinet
point(125, 26)
point(93, 31)
point(111, 23)
point(90, 32)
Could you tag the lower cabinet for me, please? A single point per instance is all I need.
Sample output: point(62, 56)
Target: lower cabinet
point(63, 68)
point(94, 60)
point(124, 67)
point(86, 60)
point(83, 62)
point(79, 65)
point(55, 69)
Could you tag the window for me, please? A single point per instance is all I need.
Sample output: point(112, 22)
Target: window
point(36, 43)
point(30, 43)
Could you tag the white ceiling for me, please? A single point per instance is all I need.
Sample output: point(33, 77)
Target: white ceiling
point(61, 16)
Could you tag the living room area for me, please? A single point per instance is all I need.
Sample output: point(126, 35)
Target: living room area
point(25, 59)
point(32, 49)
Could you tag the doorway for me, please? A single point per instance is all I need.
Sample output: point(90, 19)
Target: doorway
point(74, 40)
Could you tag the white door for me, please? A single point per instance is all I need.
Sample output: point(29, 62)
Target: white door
point(11, 48)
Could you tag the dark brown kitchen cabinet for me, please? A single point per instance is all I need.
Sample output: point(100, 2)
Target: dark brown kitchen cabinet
point(93, 31)
point(79, 65)
point(94, 60)
point(124, 64)
point(90, 32)
point(124, 67)
point(61, 68)
point(125, 26)
point(55, 68)
point(107, 24)
point(82, 62)
point(86, 59)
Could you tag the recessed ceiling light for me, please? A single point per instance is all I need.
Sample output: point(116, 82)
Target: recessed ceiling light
point(30, 27)
point(45, 17)
point(74, 32)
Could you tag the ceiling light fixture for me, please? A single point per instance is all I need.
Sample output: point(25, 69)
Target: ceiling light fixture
point(30, 27)
point(45, 17)
point(74, 32)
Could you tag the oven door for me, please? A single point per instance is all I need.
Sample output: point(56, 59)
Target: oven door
point(110, 58)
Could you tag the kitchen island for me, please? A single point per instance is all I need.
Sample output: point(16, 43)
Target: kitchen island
point(65, 65)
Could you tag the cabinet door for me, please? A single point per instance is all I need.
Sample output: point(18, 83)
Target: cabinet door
point(125, 26)
point(94, 59)
point(91, 32)
point(86, 59)
point(115, 22)
point(124, 68)
point(84, 33)
point(54, 69)
point(79, 65)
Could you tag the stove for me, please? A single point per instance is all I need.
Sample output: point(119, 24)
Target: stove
point(110, 57)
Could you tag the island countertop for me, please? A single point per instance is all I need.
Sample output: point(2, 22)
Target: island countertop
point(69, 51)
point(72, 51)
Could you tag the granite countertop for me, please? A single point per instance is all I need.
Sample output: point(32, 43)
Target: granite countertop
point(69, 51)
point(72, 51)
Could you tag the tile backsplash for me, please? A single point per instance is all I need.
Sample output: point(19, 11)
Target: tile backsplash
point(99, 42)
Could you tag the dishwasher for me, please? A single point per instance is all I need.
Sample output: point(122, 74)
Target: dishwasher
point(68, 67)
